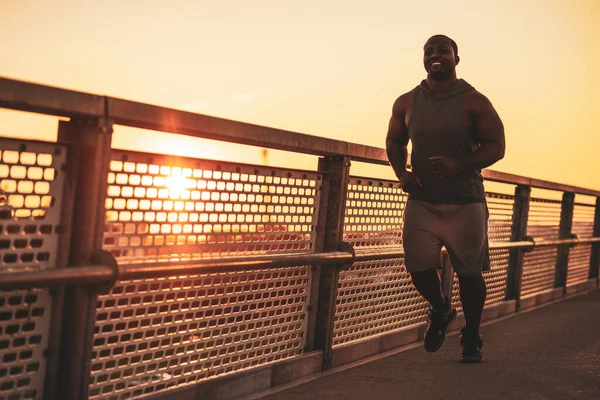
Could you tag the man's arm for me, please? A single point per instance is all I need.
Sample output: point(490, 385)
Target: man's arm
point(396, 141)
point(489, 131)
point(397, 137)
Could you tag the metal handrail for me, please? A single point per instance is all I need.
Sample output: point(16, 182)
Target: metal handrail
point(229, 264)
point(378, 254)
point(511, 245)
point(555, 242)
point(589, 240)
point(99, 274)
point(102, 274)
point(83, 275)
point(561, 242)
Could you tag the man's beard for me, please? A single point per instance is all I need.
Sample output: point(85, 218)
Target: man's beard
point(440, 75)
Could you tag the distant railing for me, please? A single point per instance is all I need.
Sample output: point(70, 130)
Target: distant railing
point(128, 274)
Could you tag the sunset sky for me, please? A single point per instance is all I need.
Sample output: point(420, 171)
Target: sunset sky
point(330, 68)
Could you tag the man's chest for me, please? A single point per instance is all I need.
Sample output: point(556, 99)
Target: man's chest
point(439, 120)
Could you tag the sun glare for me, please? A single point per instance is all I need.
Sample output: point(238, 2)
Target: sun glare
point(177, 186)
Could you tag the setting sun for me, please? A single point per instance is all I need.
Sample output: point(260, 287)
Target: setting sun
point(177, 185)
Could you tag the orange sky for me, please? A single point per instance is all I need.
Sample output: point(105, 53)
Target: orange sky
point(328, 68)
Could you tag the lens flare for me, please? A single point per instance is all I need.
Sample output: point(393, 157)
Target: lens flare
point(177, 186)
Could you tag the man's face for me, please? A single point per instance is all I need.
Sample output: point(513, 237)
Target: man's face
point(439, 58)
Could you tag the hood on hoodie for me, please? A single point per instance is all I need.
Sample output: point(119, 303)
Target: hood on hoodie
point(459, 86)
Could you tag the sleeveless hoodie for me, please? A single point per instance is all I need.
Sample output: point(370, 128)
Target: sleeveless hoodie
point(437, 127)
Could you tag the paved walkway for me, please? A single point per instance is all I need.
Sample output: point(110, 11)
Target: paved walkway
point(551, 352)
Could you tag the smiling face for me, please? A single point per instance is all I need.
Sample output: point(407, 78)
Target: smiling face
point(439, 58)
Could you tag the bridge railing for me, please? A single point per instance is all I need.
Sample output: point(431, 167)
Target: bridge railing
point(128, 274)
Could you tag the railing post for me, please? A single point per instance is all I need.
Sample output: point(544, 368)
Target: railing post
point(519, 231)
point(69, 171)
point(566, 223)
point(313, 305)
point(595, 258)
point(90, 141)
point(330, 227)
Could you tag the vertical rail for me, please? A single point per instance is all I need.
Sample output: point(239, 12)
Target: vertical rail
point(62, 261)
point(519, 232)
point(595, 258)
point(330, 236)
point(566, 223)
point(90, 141)
point(316, 269)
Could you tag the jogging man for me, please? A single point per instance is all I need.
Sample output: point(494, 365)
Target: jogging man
point(455, 132)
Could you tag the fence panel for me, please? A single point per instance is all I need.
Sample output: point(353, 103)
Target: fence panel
point(31, 180)
point(157, 334)
point(375, 297)
point(580, 256)
point(374, 213)
point(539, 266)
point(170, 207)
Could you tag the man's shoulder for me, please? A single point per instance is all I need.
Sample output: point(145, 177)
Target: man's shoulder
point(474, 95)
point(474, 100)
point(404, 101)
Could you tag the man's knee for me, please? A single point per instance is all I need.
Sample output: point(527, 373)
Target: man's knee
point(470, 276)
point(472, 282)
point(426, 274)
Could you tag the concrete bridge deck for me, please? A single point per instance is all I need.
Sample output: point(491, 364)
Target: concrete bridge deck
point(549, 353)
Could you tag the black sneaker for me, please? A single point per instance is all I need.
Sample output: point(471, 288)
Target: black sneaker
point(471, 344)
point(439, 319)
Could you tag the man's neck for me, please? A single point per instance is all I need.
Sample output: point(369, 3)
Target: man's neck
point(439, 87)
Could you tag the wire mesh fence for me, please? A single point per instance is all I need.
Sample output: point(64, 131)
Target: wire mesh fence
point(31, 195)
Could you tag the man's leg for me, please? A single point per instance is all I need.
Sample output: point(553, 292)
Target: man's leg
point(441, 312)
point(422, 256)
point(472, 295)
point(422, 251)
point(428, 284)
point(466, 241)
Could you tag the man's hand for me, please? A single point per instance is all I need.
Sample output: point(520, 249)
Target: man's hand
point(444, 167)
point(409, 181)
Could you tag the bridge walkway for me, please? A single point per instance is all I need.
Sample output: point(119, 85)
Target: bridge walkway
point(549, 353)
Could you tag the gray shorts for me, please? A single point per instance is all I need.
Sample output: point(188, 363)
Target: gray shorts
point(461, 228)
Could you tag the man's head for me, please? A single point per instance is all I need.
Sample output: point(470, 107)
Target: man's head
point(440, 57)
